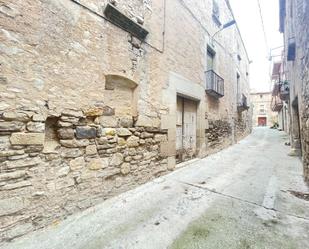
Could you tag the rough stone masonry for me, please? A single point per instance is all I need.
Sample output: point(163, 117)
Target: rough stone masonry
point(83, 163)
point(88, 111)
point(295, 27)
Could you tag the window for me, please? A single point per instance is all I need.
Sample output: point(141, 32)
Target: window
point(261, 96)
point(262, 109)
point(216, 13)
point(291, 49)
point(238, 86)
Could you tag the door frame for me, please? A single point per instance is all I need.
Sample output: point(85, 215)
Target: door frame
point(180, 155)
point(180, 86)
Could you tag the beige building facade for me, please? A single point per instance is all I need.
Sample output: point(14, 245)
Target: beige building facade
point(263, 114)
point(98, 97)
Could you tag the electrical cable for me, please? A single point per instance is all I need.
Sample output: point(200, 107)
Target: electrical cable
point(263, 26)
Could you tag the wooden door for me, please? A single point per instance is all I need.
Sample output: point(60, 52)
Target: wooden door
point(186, 129)
point(262, 121)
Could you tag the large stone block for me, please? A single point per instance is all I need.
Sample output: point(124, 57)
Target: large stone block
point(63, 171)
point(121, 141)
point(5, 153)
point(116, 159)
point(17, 116)
point(125, 168)
point(21, 138)
point(71, 152)
point(126, 121)
point(74, 143)
point(27, 162)
point(36, 127)
point(133, 141)
point(66, 133)
point(108, 111)
point(98, 163)
point(102, 140)
point(12, 175)
point(109, 131)
point(73, 113)
point(86, 132)
point(77, 163)
point(107, 121)
point(93, 111)
point(64, 124)
point(38, 118)
point(160, 138)
point(123, 132)
point(144, 121)
point(11, 126)
point(146, 135)
point(91, 150)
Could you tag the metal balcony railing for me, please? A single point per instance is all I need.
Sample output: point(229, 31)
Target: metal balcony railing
point(284, 90)
point(242, 104)
point(276, 104)
point(214, 84)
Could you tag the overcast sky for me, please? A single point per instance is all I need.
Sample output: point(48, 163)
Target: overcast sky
point(249, 21)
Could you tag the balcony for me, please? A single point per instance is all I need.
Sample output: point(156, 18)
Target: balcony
point(284, 90)
point(242, 104)
point(214, 84)
point(276, 104)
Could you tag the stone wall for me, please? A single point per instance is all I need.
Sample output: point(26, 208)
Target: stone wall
point(52, 167)
point(88, 111)
point(296, 29)
point(221, 134)
point(302, 26)
point(218, 135)
point(243, 126)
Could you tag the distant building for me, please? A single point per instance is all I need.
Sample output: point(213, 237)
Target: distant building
point(263, 115)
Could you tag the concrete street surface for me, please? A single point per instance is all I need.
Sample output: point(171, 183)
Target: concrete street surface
point(248, 196)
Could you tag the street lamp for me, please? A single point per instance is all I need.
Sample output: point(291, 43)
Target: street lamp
point(228, 24)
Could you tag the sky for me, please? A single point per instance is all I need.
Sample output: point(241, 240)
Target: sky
point(248, 19)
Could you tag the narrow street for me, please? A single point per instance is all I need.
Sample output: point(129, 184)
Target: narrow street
point(237, 198)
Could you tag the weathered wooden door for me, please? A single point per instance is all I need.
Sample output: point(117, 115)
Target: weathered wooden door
point(185, 129)
point(262, 121)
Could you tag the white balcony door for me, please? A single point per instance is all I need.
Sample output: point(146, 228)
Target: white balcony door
point(210, 60)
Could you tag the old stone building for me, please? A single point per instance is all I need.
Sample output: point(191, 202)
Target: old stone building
point(263, 114)
point(294, 24)
point(280, 96)
point(97, 97)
